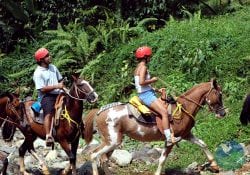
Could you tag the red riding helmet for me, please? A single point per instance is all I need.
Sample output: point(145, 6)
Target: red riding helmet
point(143, 51)
point(40, 54)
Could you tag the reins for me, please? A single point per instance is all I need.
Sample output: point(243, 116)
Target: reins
point(191, 100)
point(13, 109)
point(77, 98)
point(5, 119)
point(177, 92)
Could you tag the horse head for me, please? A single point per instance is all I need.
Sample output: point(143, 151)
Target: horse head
point(81, 90)
point(214, 99)
point(13, 107)
point(11, 113)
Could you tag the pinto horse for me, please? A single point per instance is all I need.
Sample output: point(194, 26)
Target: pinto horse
point(68, 130)
point(112, 123)
point(245, 112)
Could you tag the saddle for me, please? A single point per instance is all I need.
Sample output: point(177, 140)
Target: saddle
point(38, 117)
point(145, 115)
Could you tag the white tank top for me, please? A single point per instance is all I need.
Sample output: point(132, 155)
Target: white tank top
point(140, 88)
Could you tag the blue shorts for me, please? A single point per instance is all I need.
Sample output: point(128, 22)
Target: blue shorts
point(148, 97)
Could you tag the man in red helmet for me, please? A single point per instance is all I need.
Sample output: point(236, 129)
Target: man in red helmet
point(48, 82)
point(146, 92)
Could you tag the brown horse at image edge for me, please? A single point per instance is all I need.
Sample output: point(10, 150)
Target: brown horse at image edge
point(68, 130)
point(116, 121)
point(245, 112)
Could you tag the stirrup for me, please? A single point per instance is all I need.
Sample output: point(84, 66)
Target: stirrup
point(49, 140)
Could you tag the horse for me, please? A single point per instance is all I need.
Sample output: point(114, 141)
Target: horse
point(8, 104)
point(68, 129)
point(245, 112)
point(114, 122)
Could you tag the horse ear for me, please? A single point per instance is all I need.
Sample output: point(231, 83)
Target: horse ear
point(214, 83)
point(75, 76)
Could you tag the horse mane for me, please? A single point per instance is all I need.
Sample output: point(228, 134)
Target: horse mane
point(9, 95)
point(245, 112)
point(197, 86)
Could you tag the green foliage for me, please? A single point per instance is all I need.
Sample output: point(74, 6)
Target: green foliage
point(184, 53)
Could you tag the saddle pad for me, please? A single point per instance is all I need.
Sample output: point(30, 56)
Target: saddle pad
point(146, 119)
point(36, 117)
point(110, 105)
point(39, 118)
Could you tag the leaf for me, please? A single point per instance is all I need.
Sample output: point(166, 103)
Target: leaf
point(16, 10)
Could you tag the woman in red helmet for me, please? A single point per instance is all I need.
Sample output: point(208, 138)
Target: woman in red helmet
point(147, 94)
point(48, 82)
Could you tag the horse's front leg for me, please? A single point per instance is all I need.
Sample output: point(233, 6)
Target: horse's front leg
point(6, 163)
point(71, 152)
point(22, 150)
point(162, 159)
point(41, 162)
point(203, 146)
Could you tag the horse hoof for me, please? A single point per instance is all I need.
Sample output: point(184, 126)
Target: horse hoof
point(25, 173)
point(215, 169)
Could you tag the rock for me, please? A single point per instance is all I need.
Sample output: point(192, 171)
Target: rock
point(51, 156)
point(121, 157)
point(60, 165)
point(39, 143)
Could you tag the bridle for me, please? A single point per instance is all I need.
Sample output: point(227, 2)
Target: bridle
point(12, 108)
point(212, 108)
point(77, 90)
point(207, 101)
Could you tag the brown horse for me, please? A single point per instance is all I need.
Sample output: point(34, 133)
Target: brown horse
point(9, 105)
point(9, 102)
point(68, 130)
point(112, 123)
point(245, 112)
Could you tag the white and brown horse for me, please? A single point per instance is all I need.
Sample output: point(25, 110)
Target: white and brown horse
point(114, 122)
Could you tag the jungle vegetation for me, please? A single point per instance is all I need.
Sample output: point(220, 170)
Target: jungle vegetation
point(192, 41)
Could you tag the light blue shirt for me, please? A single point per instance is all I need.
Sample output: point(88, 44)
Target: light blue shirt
point(46, 77)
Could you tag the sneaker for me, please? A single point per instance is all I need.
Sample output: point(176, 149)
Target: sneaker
point(170, 142)
point(49, 140)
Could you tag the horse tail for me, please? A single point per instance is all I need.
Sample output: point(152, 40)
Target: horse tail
point(245, 113)
point(89, 125)
point(8, 131)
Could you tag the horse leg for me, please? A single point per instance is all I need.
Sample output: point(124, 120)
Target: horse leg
point(203, 146)
point(100, 151)
point(162, 159)
point(45, 169)
point(28, 145)
point(71, 152)
point(6, 163)
point(5, 166)
point(22, 150)
point(74, 146)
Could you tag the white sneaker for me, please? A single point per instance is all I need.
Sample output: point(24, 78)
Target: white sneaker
point(170, 143)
